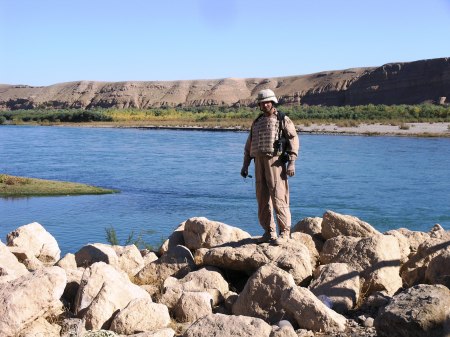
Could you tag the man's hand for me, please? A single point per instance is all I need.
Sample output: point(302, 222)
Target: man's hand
point(291, 168)
point(244, 171)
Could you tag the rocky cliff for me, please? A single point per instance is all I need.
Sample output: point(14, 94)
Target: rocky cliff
point(393, 83)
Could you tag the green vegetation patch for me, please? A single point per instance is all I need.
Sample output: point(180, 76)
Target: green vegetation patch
point(13, 186)
point(43, 116)
point(224, 116)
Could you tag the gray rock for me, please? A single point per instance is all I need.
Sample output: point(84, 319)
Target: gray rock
point(438, 270)
point(420, 311)
point(413, 272)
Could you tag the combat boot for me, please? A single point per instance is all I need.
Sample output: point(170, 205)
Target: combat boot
point(268, 237)
point(283, 238)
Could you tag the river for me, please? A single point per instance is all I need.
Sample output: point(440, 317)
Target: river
point(168, 176)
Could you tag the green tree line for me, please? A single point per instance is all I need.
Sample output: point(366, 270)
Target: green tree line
point(299, 113)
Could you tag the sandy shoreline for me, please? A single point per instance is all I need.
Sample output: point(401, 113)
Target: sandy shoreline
point(407, 129)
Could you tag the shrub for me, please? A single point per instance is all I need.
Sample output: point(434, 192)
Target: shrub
point(132, 239)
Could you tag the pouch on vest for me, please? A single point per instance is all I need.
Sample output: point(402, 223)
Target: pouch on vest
point(281, 144)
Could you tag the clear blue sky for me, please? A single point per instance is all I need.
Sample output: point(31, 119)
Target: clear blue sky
point(51, 41)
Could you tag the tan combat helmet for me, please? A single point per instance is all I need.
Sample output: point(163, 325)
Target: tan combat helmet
point(266, 95)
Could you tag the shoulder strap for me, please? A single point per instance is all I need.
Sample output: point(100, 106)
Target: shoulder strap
point(280, 117)
point(256, 119)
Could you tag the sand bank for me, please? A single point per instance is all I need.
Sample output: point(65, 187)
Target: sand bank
point(406, 129)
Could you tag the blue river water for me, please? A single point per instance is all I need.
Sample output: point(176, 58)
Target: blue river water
point(168, 176)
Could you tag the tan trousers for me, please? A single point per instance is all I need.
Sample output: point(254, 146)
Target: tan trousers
point(272, 192)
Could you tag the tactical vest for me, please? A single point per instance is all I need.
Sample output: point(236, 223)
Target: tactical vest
point(265, 132)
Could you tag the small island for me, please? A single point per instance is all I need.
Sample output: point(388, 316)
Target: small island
point(13, 186)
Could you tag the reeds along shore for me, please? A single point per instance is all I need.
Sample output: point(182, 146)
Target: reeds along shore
point(336, 275)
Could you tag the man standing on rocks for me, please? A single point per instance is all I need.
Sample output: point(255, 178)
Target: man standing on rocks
point(273, 143)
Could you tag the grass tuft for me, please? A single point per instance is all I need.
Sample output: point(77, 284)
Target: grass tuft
point(13, 186)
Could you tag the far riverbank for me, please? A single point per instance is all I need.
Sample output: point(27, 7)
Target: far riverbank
point(405, 129)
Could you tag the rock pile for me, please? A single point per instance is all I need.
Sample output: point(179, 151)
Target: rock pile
point(335, 276)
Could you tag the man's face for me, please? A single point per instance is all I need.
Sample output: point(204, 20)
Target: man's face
point(266, 107)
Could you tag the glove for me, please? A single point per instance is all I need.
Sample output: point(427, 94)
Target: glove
point(291, 168)
point(244, 171)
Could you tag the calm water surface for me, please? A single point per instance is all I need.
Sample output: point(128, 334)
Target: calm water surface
point(168, 176)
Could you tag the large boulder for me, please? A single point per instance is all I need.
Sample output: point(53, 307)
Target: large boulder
point(420, 311)
point(219, 325)
point(29, 297)
point(193, 305)
point(67, 262)
point(261, 296)
point(309, 312)
point(203, 233)
point(414, 271)
point(36, 240)
point(403, 243)
point(334, 224)
point(333, 246)
point(177, 262)
point(292, 257)
point(96, 252)
point(438, 270)
point(104, 290)
point(309, 243)
point(130, 259)
point(140, 315)
point(415, 238)
point(27, 258)
point(174, 239)
point(313, 227)
point(208, 279)
point(377, 258)
point(10, 267)
point(338, 282)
